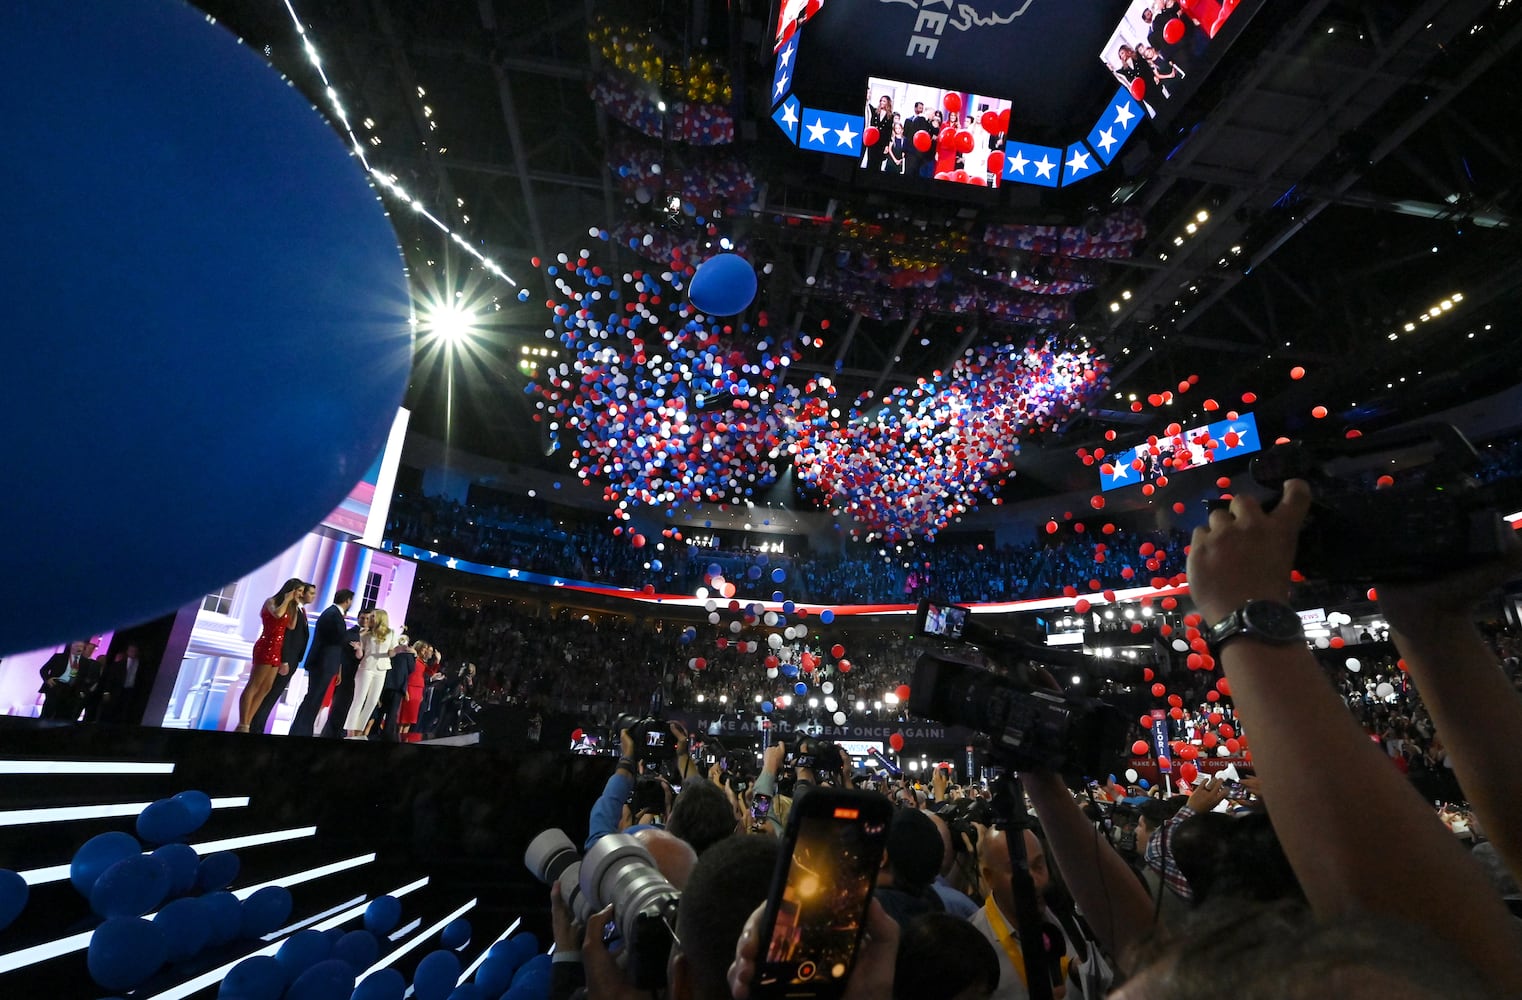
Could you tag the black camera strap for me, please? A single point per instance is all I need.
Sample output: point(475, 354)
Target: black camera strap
point(1011, 795)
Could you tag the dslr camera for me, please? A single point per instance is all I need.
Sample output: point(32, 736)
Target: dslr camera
point(1028, 727)
point(653, 742)
point(1434, 518)
point(817, 755)
point(620, 871)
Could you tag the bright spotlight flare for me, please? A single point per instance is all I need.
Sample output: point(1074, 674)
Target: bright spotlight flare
point(934, 452)
point(449, 322)
point(666, 403)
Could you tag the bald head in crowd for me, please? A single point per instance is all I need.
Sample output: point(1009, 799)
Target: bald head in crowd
point(998, 871)
point(674, 857)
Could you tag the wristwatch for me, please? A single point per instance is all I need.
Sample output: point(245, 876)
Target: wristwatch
point(1273, 622)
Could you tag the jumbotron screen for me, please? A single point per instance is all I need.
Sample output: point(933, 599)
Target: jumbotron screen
point(1204, 445)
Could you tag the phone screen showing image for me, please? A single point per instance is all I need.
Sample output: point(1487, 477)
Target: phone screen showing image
point(818, 919)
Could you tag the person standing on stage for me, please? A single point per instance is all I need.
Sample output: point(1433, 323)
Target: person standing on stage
point(328, 651)
point(348, 672)
point(293, 651)
point(59, 675)
point(374, 647)
point(276, 615)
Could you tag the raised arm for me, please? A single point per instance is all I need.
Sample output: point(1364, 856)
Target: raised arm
point(1358, 835)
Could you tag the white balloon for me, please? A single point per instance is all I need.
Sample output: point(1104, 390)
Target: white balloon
point(771, 673)
point(710, 605)
point(734, 627)
point(774, 641)
point(1180, 646)
point(840, 718)
point(831, 704)
point(770, 618)
point(1323, 643)
point(713, 618)
point(1385, 689)
point(1221, 751)
point(828, 687)
point(1353, 664)
point(1131, 774)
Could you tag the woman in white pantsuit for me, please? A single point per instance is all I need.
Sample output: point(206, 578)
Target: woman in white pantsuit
point(374, 647)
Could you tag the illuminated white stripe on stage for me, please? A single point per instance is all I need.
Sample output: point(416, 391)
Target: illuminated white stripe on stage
point(1514, 518)
point(193, 986)
point(64, 814)
point(306, 876)
point(83, 767)
point(430, 932)
point(42, 952)
point(57, 873)
point(470, 969)
point(402, 932)
point(300, 924)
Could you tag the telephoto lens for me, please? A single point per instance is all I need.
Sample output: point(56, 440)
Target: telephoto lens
point(551, 857)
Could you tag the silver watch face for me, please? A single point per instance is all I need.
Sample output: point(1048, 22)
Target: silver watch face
point(1272, 620)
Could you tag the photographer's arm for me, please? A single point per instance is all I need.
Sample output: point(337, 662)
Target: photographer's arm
point(1112, 900)
point(1359, 836)
point(1475, 709)
point(686, 767)
point(609, 807)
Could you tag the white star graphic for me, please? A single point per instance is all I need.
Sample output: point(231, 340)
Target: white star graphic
point(1079, 163)
point(512, 574)
point(1044, 166)
point(1106, 140)
point(786, 54)
point(1019, 163)
point(847, 137)
point(817, 131)
point(1121, 470)
point(1123, 116)
point(781, 87)
point(559, 583)
point(451, 562)
point(790, 117)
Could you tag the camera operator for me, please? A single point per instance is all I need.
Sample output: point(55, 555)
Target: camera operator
point(634, 797)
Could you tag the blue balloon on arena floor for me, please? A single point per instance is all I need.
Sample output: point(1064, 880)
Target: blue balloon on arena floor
point(495, 975)
point(327, 980)
point(199, 804)
point(124, 951)
point(231, 241)
point(358, 948)
point(14, 893)
point(456, 934)
point(435, 976)
point(258, 977)
point(97, 854)
point(217, 871)
point(223, 914)
point(778, 575)
point(186, 929)
point(382, 984)
point(130, 888)
point(265, 910)
point(182, 863)
point(382, 915)
point(164, 821)
point(301, 951)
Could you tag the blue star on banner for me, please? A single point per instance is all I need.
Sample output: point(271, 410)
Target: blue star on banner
point(788, 116)
point(831, 132)
point(1077, 163)
point(782, 76)
point(1025, 163)
point(1115, 126)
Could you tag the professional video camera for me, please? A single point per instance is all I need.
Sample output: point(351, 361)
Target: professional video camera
point(1028, 726)
point(620, 871)
point(1433, 518)
point(821, 756)
point(653, 742)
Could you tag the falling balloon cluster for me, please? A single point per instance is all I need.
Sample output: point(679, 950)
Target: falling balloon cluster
point(933, 452)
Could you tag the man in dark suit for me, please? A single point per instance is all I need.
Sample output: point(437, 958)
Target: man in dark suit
point(118, 683)
point(395, 685)
point(330, 649)
point(60, 675)
point(913, 125)
point(292, 652)
point(345, 666)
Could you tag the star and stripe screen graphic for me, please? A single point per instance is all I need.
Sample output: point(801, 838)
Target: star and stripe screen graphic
point(1206, 444)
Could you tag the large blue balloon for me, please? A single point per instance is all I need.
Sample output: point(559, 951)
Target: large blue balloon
point(265, 910)
point(327, 980)
point(456, 934)
point(130, 888)
point(96, 855)
point(199, 804)
point(435, 976)
point(197, 235)
point(217, 871)
point(495, 975)
point(186, 929)
point(382, 984)
point(301, 951)
point(382, 914)
point(258, 977)
point(535, 971)
point(13, 896)
point(165, 820)
point(223, 915)
point(359, 949)
point(125, 951)
point(182, 862)
point(723, 285)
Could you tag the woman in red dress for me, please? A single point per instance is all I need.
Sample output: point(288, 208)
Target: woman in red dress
point(277, 614)
point(412, 696)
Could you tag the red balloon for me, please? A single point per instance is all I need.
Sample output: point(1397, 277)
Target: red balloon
point(1164, 763)
point(896, 741)
point(870, 135)
point(1158, 690)
point(953, 102)
point(1139, 88)
point(700, 664)
point(1188, 772)
point(1232, 746)
point(1226, 731)
point(1177, 713)
point(1319, 412)
point(1004, 120)
point(990, 121)
point(1139, 748)
point(1297, 373)
point(922, 141)
point(1223, 686)
point(965, 141)
point(1210, 740)
point(902, 691)
point(1212, 696)
point(1188, 751)
point(996, 161)
point(1145, 722)
point(837, 651)
point(1175, 701)
point(844, 666)
point(1173, 31)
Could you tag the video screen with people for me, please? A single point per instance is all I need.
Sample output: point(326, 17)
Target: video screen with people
point(1147, 462)
point(913, 130)
point(1160, 44)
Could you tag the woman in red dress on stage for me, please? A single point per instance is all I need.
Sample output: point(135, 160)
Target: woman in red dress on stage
point(412, 696)
point(277, 614)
